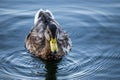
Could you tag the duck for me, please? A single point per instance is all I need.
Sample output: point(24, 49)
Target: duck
point(47, 39)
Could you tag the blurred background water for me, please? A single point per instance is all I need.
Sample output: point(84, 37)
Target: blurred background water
point(94, 28)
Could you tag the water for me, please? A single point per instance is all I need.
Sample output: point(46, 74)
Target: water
point(94, 28)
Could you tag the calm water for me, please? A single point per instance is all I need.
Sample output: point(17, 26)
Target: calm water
point(94, 28)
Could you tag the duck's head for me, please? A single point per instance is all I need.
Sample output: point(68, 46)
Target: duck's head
point(51, 37)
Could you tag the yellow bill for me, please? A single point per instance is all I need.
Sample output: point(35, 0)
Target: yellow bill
point(53, 45)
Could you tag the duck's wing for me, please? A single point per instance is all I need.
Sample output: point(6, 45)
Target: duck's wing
point(64, 40)
point(35, 41)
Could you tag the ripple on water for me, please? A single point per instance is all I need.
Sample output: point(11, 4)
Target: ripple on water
point(23, 67)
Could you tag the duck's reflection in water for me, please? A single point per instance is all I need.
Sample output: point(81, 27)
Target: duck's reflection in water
point(51, 70)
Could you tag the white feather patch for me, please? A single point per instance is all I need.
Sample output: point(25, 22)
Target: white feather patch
point(50, 13)
point(37, 15)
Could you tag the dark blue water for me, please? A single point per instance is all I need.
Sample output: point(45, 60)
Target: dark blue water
point(94, 28)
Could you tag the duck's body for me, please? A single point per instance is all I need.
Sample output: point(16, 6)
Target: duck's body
point(47, 40)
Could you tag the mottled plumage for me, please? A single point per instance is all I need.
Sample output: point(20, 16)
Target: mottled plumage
point(46, 28)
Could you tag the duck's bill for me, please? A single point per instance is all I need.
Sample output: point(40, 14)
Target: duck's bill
point(53, 45)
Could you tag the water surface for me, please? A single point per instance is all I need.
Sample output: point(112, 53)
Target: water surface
point(94, 28)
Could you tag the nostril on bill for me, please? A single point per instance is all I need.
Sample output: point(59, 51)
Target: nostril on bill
point(54, 52)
